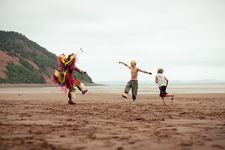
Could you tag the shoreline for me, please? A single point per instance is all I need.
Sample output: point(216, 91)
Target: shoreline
point(116, 89)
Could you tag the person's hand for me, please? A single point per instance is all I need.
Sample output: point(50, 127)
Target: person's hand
point(150, 73)
point(83, 72)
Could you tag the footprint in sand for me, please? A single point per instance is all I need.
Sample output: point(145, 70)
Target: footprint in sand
point(120, 148)
point(217, 146)
point(186, 143)
point(131, 142)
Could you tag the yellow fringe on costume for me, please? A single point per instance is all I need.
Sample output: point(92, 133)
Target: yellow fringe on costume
point(61, 78)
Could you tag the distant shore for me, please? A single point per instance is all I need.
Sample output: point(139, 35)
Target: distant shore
point(3, 85)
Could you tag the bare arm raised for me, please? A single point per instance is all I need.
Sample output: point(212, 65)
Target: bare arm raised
point(144, 71)
point(120, 62)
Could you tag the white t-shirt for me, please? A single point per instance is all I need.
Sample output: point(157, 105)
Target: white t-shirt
point(161, 80)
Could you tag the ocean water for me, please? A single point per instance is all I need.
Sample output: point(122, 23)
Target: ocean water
point(119, 88)
point(153, 89)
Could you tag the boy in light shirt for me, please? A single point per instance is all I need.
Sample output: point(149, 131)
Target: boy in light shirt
point(162, 82)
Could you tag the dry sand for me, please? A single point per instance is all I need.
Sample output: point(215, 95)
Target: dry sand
point(106, 121)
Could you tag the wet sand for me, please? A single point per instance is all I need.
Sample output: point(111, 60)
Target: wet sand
point(106, 121)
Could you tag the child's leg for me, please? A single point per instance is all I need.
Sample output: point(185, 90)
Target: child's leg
point(71, 96)
point(134, 90)
point(127, 89)
point(170, 95)
point(163, 100)
point(82, 88)
point(166, 94)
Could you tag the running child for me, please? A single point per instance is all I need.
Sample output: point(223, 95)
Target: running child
point(133, 83)
point(162, 82)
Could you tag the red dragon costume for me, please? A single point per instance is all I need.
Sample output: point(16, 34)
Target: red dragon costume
point(64, 76)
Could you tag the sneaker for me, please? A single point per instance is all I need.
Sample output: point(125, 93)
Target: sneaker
point(84, 91)
point(125, 95)
point(71, 102)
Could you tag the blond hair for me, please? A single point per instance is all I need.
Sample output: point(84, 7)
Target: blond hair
point(133, 62)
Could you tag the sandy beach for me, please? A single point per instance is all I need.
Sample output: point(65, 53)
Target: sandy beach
point(106, 121)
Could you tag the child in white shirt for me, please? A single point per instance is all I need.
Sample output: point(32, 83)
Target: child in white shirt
point(162, 82)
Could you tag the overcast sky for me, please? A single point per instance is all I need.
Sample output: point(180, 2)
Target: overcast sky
point(184, 37)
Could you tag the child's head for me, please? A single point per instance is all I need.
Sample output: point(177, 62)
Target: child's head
point(133, 63)
point(160, 70)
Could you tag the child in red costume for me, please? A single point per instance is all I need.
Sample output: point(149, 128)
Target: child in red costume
point(64, 76)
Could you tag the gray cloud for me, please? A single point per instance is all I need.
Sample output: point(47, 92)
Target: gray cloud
point(181, 36)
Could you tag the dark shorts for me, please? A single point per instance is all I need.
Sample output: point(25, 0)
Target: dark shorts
point(163, 92)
